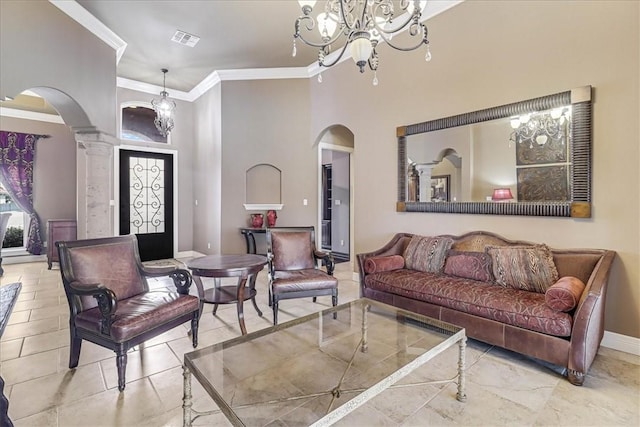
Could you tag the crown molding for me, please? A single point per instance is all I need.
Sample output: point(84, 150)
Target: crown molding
point(152, 89)
point(84, 18)
point(91, 23)
point(30, 115)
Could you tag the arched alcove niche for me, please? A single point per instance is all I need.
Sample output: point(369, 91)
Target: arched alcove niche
point(94, 164)
point(263, 187)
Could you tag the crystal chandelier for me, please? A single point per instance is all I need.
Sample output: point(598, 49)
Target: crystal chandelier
point(164, 109)
point(541, 128)
point(364, 24)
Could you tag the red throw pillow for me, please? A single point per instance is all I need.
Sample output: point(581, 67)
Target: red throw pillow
point(565, 294)
point(378, 264)
point(469, 265)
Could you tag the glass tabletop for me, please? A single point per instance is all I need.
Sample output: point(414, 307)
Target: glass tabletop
point(317, 368)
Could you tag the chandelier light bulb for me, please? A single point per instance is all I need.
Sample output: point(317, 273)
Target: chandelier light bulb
point(306, 5)
point(327, 24)
point(423, 4)
point(556, 113)
point(525, 118)
point(515, 123)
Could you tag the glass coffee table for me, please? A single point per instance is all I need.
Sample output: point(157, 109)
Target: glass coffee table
point(314, 370)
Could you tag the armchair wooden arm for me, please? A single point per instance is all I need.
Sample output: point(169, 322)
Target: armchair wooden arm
point(106, 298)
point(327, 259)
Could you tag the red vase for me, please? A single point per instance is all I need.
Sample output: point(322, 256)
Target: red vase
point(257, 220)
point(271, 218)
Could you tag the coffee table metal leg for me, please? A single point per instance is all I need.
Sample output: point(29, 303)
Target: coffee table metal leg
point(242, 281)
point(186, 399)
point(461, 396)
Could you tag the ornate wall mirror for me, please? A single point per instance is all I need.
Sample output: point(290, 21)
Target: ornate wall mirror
point(527, 158)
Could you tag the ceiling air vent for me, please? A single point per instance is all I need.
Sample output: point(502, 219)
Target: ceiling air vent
point(185, 38)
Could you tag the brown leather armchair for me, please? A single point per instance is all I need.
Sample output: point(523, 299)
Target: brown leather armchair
point(110, 301)
point(293, 267)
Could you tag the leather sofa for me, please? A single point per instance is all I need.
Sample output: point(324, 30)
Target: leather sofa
point(516, 319)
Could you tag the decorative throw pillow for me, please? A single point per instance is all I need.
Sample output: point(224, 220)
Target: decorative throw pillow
point(530, 268)
point(427, 253)
point(565, 294)
point(470, 265)
point(378, 264)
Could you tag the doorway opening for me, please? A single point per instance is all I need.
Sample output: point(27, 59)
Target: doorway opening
point(335, 192)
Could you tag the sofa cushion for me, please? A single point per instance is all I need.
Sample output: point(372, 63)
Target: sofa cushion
point(427, 253)
point(469, 265)
point(529, 268)
point(565, 294)
point(383, 263)
point(506, 305)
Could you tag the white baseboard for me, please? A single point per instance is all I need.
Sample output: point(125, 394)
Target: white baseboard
point(621, 343)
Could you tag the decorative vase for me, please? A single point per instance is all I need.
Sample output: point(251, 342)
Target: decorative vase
point(257, 220)
point(271, 218)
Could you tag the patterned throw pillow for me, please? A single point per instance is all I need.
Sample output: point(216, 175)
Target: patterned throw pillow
point(530, 268)
point(565, 294)
point(470, 265)
point(427, 253)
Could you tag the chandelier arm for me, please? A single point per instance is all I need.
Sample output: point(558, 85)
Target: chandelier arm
point(345, 21)
point(397, 27)
point(422, 41)
point(344, 48)
point(320, 45)
point(299, 35)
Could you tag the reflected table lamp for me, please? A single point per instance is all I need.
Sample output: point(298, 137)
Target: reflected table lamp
point(502, 195)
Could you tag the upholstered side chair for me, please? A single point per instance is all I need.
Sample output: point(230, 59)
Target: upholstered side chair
point(293, 267)
point(110, 301)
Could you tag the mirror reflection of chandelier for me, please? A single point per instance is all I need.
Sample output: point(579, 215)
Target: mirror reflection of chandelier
point(541, 127)
point(364, 24)
point(164, 109)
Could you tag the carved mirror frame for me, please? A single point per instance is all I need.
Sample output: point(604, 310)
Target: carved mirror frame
point(579, 205)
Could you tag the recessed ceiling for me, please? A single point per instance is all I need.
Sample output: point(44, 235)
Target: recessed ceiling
point(234, 34)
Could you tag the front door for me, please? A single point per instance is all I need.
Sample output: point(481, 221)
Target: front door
point(146, 201)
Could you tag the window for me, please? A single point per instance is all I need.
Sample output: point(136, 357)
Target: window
point(138, 124)
point(15, 235)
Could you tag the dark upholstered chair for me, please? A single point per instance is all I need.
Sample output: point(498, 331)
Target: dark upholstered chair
point(110, 301)
point(293, 267)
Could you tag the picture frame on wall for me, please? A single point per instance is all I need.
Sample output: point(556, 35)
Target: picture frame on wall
point(440, 188)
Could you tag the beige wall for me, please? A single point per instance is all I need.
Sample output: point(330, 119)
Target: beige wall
point(267, 122)
point(483, 56)
point(207, 170)
point(54, 175)
point(43, 47)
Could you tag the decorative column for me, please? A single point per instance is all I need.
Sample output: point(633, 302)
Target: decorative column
point(424, 169)
point(95, 188)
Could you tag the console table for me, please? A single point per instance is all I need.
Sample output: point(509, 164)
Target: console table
point(250, 239)
point(244, 267)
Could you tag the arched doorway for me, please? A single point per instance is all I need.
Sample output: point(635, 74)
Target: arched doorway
point(87, 158)
point(335, 192)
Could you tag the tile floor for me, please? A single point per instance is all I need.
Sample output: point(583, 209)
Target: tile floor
point(503, 388)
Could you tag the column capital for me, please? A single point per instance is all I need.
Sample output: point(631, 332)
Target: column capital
point(88, 138)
